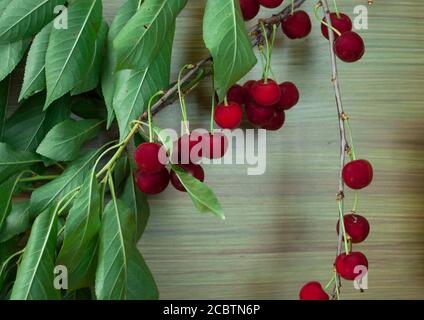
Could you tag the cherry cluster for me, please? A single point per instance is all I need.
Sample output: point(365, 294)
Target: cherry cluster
point(250, 8)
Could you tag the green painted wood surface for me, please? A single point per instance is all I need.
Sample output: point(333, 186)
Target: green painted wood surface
point(280, 227)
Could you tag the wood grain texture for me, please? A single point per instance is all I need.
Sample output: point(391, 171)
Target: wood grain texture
point(280, 227)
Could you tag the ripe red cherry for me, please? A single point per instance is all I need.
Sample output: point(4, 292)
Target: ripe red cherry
point(270, 3)
point(249, 9)
point(236, 94)
point(228, 117)
point(266, 93)
point(276, 122)
point(146, 157)
point(298, 25)
point(184, 146)
point(342, 23)
point(257, 115)
point(346, 265)
point(313, 291)
point(289, 95)
point(152, 183)
point(358, 174)
point(194, 170)
point(349, 47)
point(356, 226)
point(218, 145)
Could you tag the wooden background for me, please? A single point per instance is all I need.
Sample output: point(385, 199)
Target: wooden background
point(280, 227)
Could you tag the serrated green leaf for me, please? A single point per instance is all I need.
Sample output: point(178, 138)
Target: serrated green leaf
point(81, 230)
point(203, 197)
point(64, 141)
point(34, 280)
point(70, 51)
point(10, 55)
point(35, 68)
point(72, 178)
point(91, 79)
point(22, 19)
point(140, 41)
point(226, 38)
point(7, 189)
point(135, 88)
point(16, 222)
point(26, 128)
point(4, 99)
point(13, 161)
point(108, 75)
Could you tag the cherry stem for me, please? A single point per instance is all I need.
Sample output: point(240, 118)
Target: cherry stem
point(149, 113)
point(267, 62)
point(317, 7)
point(342, 227)
point(333, 278)
point(355, 202)
point(212, 106)
point(226, 101)
point(38, 178)
point(336, 9)
point(352, 145)
point(182, 96)
point(292, 7)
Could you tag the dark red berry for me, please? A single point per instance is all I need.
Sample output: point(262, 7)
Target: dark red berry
point(289, 95)
point(356, 226)
point(228, 117)
point(270, 3)
point(194, 170)
point(249, 9)
point(349, 47)
point(152, 183)
point(265, 93)
point(257, 115)
point(184, 147)
point(147, 157)
point(236, 94)
point(358, 174)
point(298, 25)
point(313, 291)
point(341, 23)
point(276, 122)
point(350, 266)
point(216, 144)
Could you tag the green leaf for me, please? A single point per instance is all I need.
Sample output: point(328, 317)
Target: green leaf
point(17, 222)
point(26, 128)
point(4, 99)
point(108, 75)
point(70, 51)
point(7, 189)
point(64, 141)
point(10, 55)
point(8, 256)
point(137, 202)
point(91, 79)
point(71, 179)
point(135, 88)
point(12, 161)
point(34, 280)
point(22, 18)
point(121, 272)
point(81, 230)
point(226, 38)
point(203, 197)
point(35, 68)
point(140, 41)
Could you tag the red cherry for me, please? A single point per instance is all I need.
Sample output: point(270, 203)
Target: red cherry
point(342, 23)
point(146, 157)
point(258, 115)
point(313, 291)
point(194, 170)
point(349, 47)
point(247, 86)
point(152, 183)
point(358, 174)
point(266, 93)
point(289, 95)
point(346, 265)
point(270, 3)
point(356, 226)
point(236, 94)
point(228, 117)
point(276, 122)
point(298, 25)
point(249, 9)
point(218, 145)
point(184, 146)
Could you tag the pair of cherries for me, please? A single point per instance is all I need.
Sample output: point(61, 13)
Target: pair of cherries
point(265, 101)
point(250, 8)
